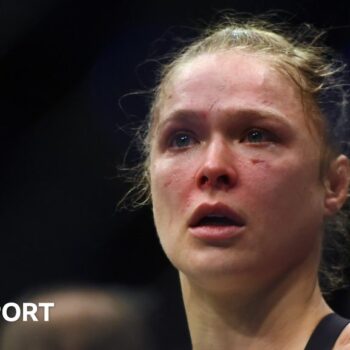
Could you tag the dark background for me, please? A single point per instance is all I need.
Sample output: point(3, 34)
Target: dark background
point(64, 66)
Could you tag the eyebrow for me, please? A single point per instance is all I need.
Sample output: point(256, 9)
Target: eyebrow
point(182, 115)
point(263, 114)
point(249, 114)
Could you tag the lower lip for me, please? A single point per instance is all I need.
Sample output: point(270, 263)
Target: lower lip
point(216, 233)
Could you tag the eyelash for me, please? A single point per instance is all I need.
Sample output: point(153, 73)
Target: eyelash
point(268, 136)
point(189, 139)
point(185, 134)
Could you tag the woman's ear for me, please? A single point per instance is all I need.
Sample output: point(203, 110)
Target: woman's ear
point(336, 184)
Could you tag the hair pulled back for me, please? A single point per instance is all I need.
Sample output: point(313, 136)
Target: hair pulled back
point(317, 72)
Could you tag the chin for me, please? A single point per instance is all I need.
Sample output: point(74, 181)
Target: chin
point(213, 271)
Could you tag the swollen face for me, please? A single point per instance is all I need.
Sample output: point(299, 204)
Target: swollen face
point(235, 173)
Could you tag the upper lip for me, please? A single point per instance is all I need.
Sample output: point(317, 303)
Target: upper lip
point(221, 209)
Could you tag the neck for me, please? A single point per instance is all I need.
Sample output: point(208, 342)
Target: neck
point(280, 315)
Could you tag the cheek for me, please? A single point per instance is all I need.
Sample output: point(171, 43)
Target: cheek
point(287, 189)
point(281, 185)
point(171, 189)
point(285, 175)
point(171, 184)
point(284, 201)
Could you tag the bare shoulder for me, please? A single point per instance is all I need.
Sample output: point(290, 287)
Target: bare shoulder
point(343, 342)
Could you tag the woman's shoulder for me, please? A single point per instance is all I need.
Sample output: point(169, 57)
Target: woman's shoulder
point(343, 342)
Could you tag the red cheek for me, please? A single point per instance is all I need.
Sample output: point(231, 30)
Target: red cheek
point(185, 189)
point(257, 161)
point(258, 167)
point(188, 198)
point(167, 183)
point(177, 183)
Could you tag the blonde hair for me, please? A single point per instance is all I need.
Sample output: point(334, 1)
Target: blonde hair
point(315, 70)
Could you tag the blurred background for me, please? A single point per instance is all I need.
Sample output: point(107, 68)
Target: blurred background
point(66, 69)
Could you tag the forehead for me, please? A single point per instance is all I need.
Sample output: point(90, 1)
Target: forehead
point(230, 80)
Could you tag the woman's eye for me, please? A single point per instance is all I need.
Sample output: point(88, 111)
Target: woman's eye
point(257, 136)
point(182, 140)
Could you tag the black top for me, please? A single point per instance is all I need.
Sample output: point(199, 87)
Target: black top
point(326, 333)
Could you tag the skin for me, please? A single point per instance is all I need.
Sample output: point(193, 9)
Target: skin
point(232, 131)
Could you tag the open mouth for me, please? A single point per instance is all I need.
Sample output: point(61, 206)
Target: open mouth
point(215, 216)
point(217, 220)
point(216, 223)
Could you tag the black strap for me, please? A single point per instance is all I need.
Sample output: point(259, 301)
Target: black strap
point(326, 332)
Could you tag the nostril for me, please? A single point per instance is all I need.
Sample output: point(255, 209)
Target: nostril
point(215, 181)
point(223, 179)
point(203, 180)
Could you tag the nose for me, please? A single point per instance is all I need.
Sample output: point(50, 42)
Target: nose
point(218, 169)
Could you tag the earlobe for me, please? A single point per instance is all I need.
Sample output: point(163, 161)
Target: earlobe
point(336, 185)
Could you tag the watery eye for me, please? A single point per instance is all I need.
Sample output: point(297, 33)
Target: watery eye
point(181, 140)
point(257, 136)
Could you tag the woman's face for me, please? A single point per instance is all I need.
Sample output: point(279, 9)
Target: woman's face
point(235, 171)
